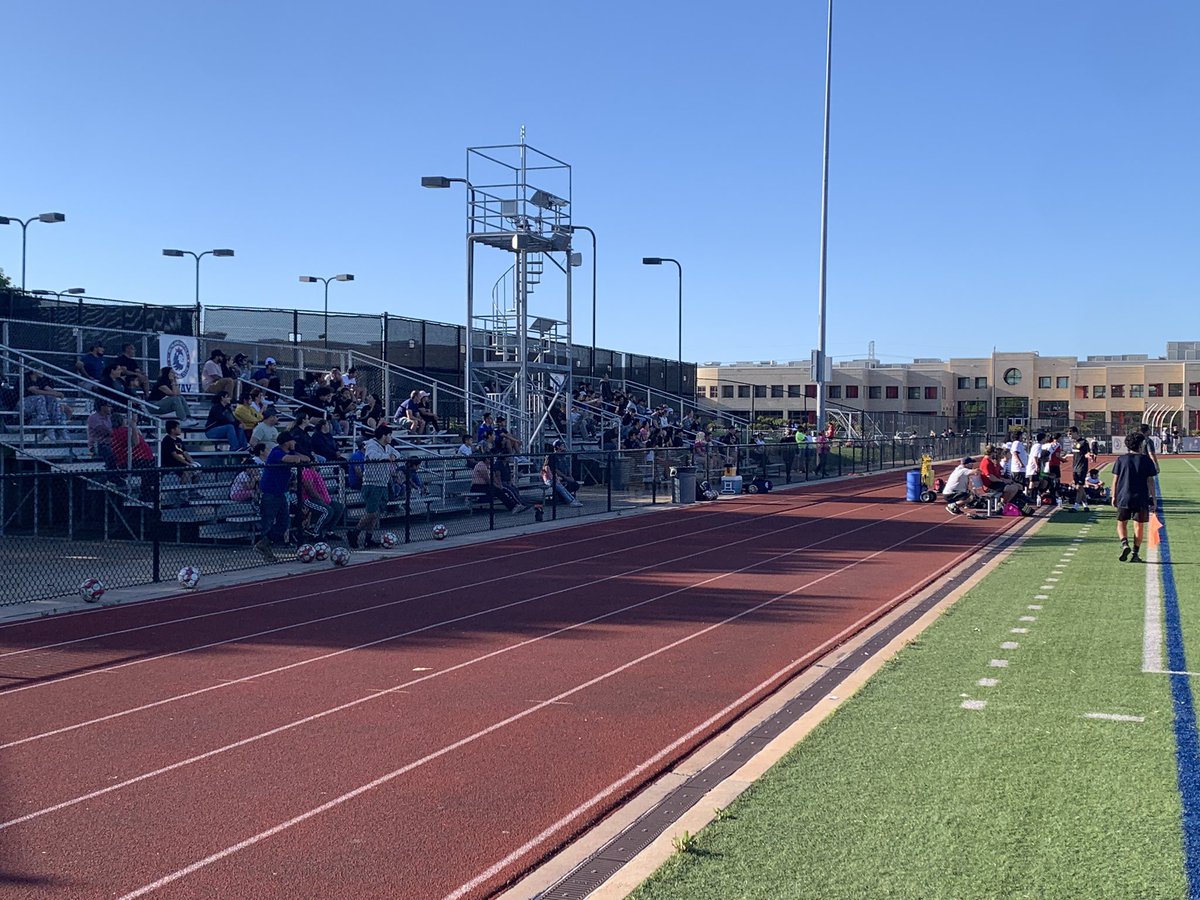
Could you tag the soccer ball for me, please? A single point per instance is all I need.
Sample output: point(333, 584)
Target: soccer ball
point(306, 553)
point(389, 540)
point(340, 556)
point(189, 577)
point(91, 590)
point(321, 549)
point(439, 532)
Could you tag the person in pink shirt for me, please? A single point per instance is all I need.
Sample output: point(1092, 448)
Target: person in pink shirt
point(323, 511)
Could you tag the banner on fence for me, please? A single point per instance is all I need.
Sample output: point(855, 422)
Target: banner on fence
point(179, 352)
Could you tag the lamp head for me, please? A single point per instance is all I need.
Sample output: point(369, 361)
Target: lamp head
point(222, 253)
point(172, 253)
point(343, 277)
point(5, 220)
point(75, 291)
point(52, 217)
point(651, 260)
point(435, 181)
point(308, 279)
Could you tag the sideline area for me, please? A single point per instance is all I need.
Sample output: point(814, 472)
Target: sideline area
point(1018, 748)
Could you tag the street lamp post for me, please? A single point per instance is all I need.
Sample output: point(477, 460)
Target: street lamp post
point(658, 261)
point(312, 279)
point(573, 229)
point(49, 218)
point(820, 379)
point(197, 257)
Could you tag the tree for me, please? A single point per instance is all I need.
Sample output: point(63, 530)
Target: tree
point(5, 281)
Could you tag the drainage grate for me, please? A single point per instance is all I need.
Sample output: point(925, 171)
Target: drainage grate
point(605, 862)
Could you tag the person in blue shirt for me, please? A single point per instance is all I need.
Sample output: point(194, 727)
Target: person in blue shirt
point(91, 364)
point(276, 476)
point(485, 430)
point(266, 375)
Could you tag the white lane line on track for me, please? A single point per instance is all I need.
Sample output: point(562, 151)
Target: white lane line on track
point(467, 663)
point(479, 879)
point(325, 656)
point(352, 612)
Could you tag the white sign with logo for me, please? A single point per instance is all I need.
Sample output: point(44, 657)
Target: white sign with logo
point(179, 353)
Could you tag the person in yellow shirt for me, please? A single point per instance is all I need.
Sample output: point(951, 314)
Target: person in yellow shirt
point(247, 412)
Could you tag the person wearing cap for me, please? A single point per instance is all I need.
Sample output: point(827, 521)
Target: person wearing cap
point(265, 375)
point(425, 411)
point(379, 464)
point(273, 485)
point(214, 377)
point(958, 486)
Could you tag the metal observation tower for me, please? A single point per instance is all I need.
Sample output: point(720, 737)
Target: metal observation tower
point(518, 335)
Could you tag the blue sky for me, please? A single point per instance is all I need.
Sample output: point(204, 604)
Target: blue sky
point(1018, 174)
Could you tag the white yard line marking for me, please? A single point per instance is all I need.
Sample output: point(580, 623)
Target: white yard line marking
point(1027, 619)
point(1018, 631)
point(974, 704)
point(1052, 579)
point(1009, 645)
point(1046, 587)
point(999, 663)
point(1041, 596)
point(1034, 606)
point(1114, 717)
point(1152, 627)
point(383, 640)
point(988, 682)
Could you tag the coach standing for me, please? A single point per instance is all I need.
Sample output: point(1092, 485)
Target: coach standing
point(274, 484)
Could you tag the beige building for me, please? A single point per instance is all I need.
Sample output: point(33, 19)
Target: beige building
point(1105, 394)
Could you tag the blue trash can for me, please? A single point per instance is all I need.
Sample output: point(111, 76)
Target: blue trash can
point(915, 486)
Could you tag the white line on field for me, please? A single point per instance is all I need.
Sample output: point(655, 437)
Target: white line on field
point(999, 664)
point(988, 682)
point(1114, 717)
point(1018, 631)
point(1034, 606)
point(1027, 619)
point(974, 704)
point(1009, 645)
point(1041, 596)
point(1152, 630)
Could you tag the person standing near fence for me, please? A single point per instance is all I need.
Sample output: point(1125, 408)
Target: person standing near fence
point(379, 463)
point(273, 485)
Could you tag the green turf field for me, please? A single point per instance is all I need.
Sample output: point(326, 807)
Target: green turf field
point(903, 792)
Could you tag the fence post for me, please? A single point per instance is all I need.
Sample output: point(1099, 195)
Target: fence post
point(492, 492)
point(157, 563)
point(407, 511)
point(654, 481)
point(608, 478)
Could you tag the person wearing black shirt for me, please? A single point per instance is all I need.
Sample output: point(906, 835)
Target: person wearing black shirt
point(173, 455)
point(1081, 463)
point(1133, 493)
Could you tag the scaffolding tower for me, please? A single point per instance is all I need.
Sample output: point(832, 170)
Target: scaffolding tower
point(519, 347)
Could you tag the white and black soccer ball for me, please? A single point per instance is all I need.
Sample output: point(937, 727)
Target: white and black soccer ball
point(306, 553)
point(92, 590)
point(439, 532)
point(340, 556)
point(189, 577)
point(388, 540)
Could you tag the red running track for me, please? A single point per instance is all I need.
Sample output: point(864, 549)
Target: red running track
point(433, 725)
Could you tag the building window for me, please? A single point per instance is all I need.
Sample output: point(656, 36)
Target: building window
point(852, 392)
point(1116, 391)
point(964, 383)
point(1081, 392)
point(1012, 407)
point(727, 391)
point(1043, 382)
point(1012, 376)
point(795, 390)
point(834, 391)
point(1052, 409)
point(1175, 389)
point(1062, 382)
point(810, 390)
point(893, 392)
point(776, 390)
point(743, 391)
point(712, 391)
point(1155, 390)
point(1136, 390)
point(760, 390)
point(981, 383)
point(1099, 392)
point(874, 392)
point(913, 393)
point(931, 393)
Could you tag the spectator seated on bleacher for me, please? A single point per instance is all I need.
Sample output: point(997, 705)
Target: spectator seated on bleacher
point(322, 511)
point(216, 376)
point(175, 456)
point(43, 405)
point(91, 364)
point(113, 383)
point(166, 397)
point(323, 443)
point(305, 387)
point(557, 476)
point(408, 415)
point(302, 431)
point(247, 413)
point(467, 447)
point(486, 485)
point(221, 424)
point(136, 382)
point(266, 431)
point(266, 376)
point(99, 432)
point(244, 488)
point(371, 413)
point(408, 481)
point(131, 452)
point(486, 429)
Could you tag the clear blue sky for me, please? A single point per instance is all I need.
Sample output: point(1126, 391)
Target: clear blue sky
point(1032, 161)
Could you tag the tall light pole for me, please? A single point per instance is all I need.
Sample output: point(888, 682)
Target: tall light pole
point(49, 218)
point(658, 261)
point(59, 294)
point(312, 279)
point(198, 257)
point(573, 229)
point(820, 379)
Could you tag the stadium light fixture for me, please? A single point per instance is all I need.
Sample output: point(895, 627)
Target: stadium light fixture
point(198, 257)
point(658, 261)
point(313, 279)
point(50, 218)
